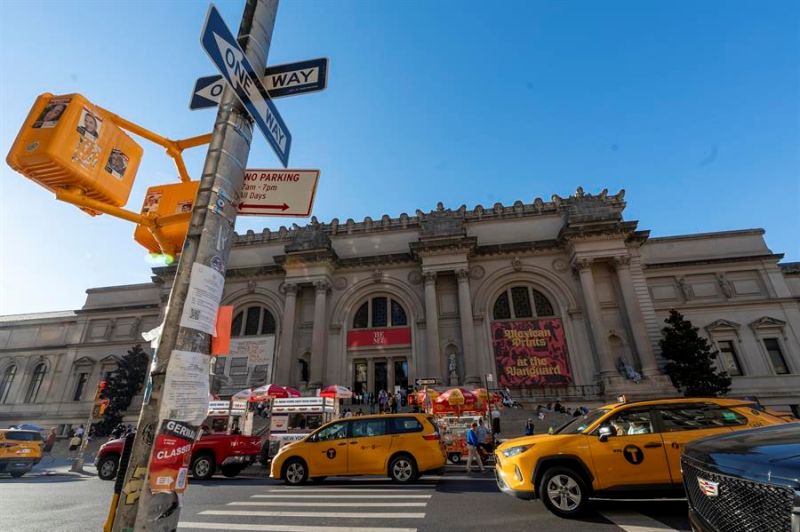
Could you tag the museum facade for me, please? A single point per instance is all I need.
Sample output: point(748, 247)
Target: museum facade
point(551, 299)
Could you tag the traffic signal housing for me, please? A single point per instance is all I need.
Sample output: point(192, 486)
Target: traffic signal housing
point(170, 208)
point(66, 142)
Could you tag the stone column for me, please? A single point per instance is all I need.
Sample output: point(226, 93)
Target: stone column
point(371, 375)
point(432, 326)
point(647, 358)
point(390, 375)
point(318, 334)
point(471, 363)
point(285, 360)
point(584, 267)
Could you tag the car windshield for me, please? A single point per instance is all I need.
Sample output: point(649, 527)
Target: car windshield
point(580, 424)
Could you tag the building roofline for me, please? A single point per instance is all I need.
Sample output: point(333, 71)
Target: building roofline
point(32, 316)
point(715, 234)
point(120, 287)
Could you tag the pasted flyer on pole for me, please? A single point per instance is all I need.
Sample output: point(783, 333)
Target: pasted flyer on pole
point(186, 388)
point(202, 301)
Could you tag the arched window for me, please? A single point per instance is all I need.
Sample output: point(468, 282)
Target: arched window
point(253, 321)
point(6, 382)
point(520, 302)
point(380, 311)
point(36, 382)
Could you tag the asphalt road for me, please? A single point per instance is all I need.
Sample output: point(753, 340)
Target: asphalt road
point(455, 501)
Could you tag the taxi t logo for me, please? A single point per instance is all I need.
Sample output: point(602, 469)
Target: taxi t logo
point(633, 454)
point(331, 453)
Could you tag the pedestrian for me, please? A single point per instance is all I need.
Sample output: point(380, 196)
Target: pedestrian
point(529, 428)
point(472, 448)
point(551, 430)
point(495, 421)
point(483, 434)
point(79, 431)
point(74, 445)
point(49, 443)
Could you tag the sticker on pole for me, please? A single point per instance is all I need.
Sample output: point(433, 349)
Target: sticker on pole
point(169, 463)
point(278, 192)
point(223, 49)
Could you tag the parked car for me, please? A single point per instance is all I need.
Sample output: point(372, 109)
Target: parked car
point(401, 446)
point(230, 453)
point(20, 450)
point(619, 450)
point(745, 481)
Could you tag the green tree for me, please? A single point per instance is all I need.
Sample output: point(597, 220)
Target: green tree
point(691, 360)
point(121, 387)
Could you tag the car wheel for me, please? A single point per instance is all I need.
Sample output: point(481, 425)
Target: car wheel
point(564, 492)
point(403, 469)
point(455, 457)
point(107, 467)
point(17, 474)
point(203, 467)
point(295, 472)
point(231, 471)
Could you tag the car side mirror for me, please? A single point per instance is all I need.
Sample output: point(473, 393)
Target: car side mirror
point(604, 433)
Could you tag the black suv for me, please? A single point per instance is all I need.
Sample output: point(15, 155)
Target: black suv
point(748, 480)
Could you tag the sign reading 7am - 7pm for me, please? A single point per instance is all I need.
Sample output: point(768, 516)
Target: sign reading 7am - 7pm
point(223, 49)
point(278, 192)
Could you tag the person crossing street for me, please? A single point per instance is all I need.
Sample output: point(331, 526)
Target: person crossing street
point(472, 448)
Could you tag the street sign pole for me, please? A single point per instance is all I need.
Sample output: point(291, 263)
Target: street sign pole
point(207, 243)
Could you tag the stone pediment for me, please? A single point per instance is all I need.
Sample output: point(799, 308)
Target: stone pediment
point(84, 361)
point(722, 324)
point(309, 238)
point(110, 359)
point(767, 322)
point(441, 223)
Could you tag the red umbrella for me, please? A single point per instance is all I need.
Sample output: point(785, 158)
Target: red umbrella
point(267, 391)
point(336, 391)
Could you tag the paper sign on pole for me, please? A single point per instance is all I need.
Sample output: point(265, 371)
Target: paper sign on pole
point(186, 388)
point(202, 301)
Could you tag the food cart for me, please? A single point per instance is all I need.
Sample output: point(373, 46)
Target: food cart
point(225, 416)
point(293, 418)
point(454, 411)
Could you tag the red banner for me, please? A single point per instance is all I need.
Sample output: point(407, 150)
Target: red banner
point(531, 353)
point(379, 337)
point(169, 463)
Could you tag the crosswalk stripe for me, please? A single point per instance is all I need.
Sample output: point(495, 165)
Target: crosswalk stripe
point(349, 490)
point(285, 528)
point(635, 522)
point(334, 515)
point(321, 496)
point(318, 504)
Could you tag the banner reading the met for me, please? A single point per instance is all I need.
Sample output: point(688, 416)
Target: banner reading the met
point(531, 353)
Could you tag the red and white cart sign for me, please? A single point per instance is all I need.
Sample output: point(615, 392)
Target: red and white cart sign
point(278, 192)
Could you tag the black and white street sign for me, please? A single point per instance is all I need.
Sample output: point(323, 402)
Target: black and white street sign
point(279, 80)
point(224, 51)
point(425, 382)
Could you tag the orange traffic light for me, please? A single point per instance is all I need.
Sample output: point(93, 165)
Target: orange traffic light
point(66, 142)
point(170, 206)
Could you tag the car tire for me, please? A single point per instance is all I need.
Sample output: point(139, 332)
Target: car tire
point(17, 474)
point(295, 472)
point(403, 469)
point(455, 457)
point(564, 492)
point(231, 471)
point(203, 466)
point(107, 467)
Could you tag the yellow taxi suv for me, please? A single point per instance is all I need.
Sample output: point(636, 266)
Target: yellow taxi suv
point(20, 450)
point(402, 446)
point(620, 450)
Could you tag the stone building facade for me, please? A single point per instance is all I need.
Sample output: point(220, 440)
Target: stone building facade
point(568, 285)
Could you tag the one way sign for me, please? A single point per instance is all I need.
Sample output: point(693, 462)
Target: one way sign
point(279, 80)
point(221, 46)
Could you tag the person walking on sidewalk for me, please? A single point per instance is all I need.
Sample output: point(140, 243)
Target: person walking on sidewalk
point(472, 448)
point(49, 443)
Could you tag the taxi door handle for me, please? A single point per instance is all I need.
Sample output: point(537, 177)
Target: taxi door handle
point(353, 443)
point(342, 444)
point(652, 445)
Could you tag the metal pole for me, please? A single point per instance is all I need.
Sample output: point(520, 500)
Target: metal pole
point(209, 236)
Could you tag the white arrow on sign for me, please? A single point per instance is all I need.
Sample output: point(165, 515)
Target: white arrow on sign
point(278, 192)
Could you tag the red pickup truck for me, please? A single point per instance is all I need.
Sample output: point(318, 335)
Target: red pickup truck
point(229, 453)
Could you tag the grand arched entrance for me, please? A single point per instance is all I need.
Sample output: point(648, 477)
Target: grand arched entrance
point(379, 346)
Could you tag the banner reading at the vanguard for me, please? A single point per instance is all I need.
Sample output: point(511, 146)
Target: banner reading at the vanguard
point(531, 353)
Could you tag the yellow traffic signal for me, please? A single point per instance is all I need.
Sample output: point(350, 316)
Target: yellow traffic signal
point(68, 143)
point(170, 208)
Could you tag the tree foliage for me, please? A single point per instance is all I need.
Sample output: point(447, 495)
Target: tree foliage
point(121, 387)
point(691, 360)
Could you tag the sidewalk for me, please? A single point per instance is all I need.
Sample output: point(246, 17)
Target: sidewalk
point(60, 466)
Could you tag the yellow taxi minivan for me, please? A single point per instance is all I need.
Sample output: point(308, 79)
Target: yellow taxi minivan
point(20, 450)
point(402, 446)
point(623, 450)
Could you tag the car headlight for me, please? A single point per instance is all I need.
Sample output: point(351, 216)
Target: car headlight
point(514, 451)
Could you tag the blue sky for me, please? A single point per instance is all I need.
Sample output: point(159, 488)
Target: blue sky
point(692, 107)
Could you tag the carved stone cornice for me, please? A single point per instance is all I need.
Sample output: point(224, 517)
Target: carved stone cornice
point(321, 286)
point(461, 245)
point(766, 322)
point(462, 274)
point(582, 264)
point(256, 271)
point(306, 257)
point(429, 277)
point(621, 262)
point(287, 288)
